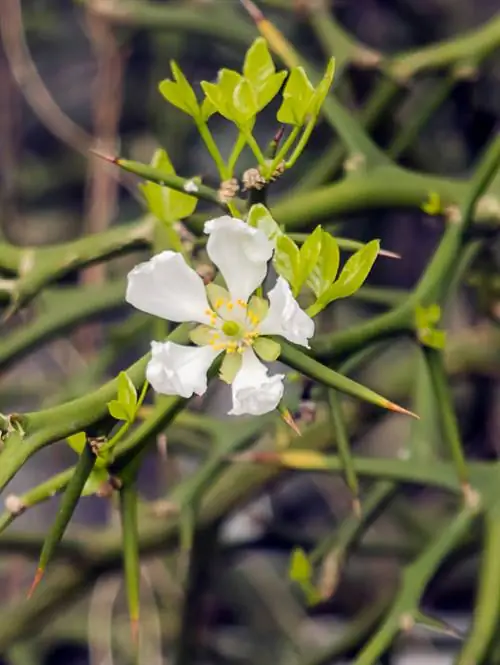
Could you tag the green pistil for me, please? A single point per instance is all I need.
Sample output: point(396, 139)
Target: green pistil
point(231, 329)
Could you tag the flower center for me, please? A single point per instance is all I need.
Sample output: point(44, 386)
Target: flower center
point(231, 329)
point(228, 334)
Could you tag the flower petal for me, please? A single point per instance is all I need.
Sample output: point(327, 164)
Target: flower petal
point(179, 370)
point(167, 287)
point(285, 316)
point(241, 253)
point(254, 392)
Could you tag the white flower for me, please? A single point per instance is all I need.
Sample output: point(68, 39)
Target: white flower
point(232, 321)
point(254, 392)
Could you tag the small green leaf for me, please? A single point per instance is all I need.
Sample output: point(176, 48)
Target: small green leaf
point(267, 349)
point(426, 319)
point(207, 109)
point(433, 205)
point(300, 569)
point(77, 441)
point(221, 94)
point(260, 218)
point(354, 273)
point(427, 316)
point(231, 365)
point(258, 65)
point(313, 596)
point(323, 88)
point(297, 98)
point(127, 394)
point(308, 256)
point(286, 259)
point(325, 271)
point(268, 91)
point(179, 92)
point(118, 410)
point(164, 203)
point(244, 102)
point(435, 339)
point(96, 479)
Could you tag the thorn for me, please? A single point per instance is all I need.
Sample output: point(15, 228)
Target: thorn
point(288, 418)
point(36, 581)
point(279, 135)
point(252, 10)
point(329, 575)
point(388, 254)
point(398, 409)
point(134, 630)
point(9, 313)
point(107, 158)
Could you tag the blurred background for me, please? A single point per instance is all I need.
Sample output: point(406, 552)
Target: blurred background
point(85, 74)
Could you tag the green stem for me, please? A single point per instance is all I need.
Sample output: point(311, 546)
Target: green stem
point(224, 171)
point(315, 370)
point(235, 153)
point(342, 440)
point(415, 579)
point(283, 151)
point(444, 401)
point(299, 148)
point(69, 501)
point(131, 558)
point(254, 147)
point(487, 605)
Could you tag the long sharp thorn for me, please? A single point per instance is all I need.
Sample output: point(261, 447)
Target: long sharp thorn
point(36, 581)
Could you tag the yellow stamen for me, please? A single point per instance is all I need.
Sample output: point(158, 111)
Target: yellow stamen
point(241, 303)
point(218, 303)
point(230, 305)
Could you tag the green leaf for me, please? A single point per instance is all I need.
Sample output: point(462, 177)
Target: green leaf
point(118, 410)
point(323, 88)
point(286, 259)
point(267, 349)
point(433, 205)
point(77, 441)
point(354, 273)
point(297, 98)
point(244, 102)
point(258, 65)
point(426, 319)
point(127, 394)
point(167, 205)
point(231, 365)
point(260, 218)
point(268, 91)
point(179, 92)
point(221, 94)
point(96, 479)
point(427, 316)
point(435, 339)
point(325, 271)
point(207, 109)
point(308, 256)
point(300, 569)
